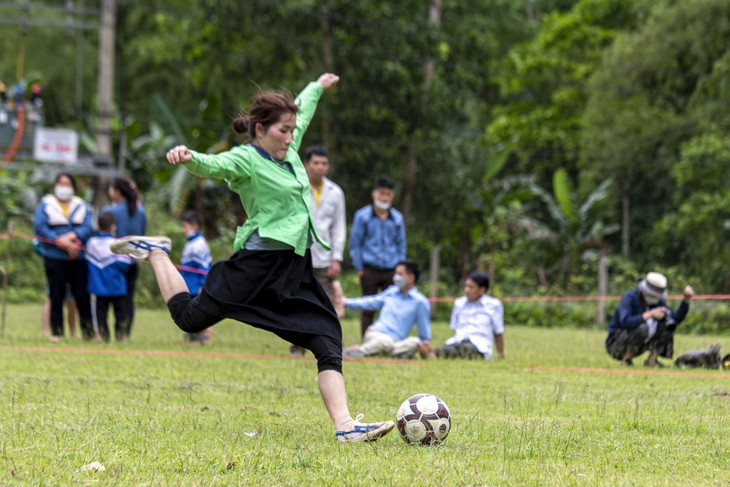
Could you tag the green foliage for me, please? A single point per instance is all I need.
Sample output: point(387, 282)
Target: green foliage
point(654, 90)
point(544, 85)
point(695, 234)
point(634, 91)
point(572, 229)
point(26, 275)
point(11, 196)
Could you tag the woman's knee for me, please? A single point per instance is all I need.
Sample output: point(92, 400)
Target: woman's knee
point(328, 353)
point(186, 316)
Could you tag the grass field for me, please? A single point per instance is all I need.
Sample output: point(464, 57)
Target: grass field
point(546, 415)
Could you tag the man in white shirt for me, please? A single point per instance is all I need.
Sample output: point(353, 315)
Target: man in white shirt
point(476, 319)
point(328, 210)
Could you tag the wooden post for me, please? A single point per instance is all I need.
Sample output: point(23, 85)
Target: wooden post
point(602, 288)
point(4, 271)
point(103, 158)
point(434, 272)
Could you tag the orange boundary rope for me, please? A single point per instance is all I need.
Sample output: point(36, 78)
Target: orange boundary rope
point(508, 299)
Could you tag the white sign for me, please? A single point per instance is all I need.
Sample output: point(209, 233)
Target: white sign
point(55, 145)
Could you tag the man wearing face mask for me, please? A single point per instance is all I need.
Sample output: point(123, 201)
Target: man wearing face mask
point(643, 322)
point(401, 306)
point(377, 242)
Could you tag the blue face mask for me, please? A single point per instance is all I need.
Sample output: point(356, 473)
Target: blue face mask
point(400, 281)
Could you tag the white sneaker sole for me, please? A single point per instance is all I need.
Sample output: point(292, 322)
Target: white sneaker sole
point(373, 435)
point(131, 245)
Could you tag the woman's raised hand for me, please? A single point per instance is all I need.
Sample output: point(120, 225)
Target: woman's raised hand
point(179, 155)
point(328, 80)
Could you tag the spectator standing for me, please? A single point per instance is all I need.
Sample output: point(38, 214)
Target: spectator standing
point(377, 243)
point(130, 220)
point(327, 201)
point(62, 225)
point(476, 319)
point(107, 280)
point(195, 263)
point(46, 314)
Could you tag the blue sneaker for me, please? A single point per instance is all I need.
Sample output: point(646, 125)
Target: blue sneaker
point(365, 431)
point(140, 247)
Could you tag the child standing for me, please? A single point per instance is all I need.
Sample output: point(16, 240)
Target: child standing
point(107, 280)
point(195, 263)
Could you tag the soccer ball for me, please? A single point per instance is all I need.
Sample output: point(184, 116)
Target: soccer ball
point(423, 419)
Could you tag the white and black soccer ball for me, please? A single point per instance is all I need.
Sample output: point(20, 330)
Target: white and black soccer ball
point(423, 419)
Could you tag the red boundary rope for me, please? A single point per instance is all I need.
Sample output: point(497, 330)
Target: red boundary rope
point(509, 299)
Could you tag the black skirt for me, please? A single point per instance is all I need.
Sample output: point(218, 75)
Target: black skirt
point(270, 289)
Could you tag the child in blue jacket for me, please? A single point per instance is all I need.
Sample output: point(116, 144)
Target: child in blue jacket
point(107, 279)
point(195, 263)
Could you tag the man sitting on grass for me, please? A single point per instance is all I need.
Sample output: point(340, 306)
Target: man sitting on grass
point(401, 306)
point(643, 322)
point(476, 319)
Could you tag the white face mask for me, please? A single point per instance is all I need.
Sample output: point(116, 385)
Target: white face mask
point(190, 233)
point(63, 193)
point(381, 205)
point(650, 300)
point(400, 281)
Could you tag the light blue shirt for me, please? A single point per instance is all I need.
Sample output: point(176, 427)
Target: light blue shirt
point(399, 312)
point(375, 242)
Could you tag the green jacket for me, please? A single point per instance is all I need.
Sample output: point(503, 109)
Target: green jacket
point(276, 202)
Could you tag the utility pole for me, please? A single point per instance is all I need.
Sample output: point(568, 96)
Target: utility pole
point(103, 158)
point(106, 81)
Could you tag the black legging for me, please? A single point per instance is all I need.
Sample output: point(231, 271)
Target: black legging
point(75, 273)
point(189, 318)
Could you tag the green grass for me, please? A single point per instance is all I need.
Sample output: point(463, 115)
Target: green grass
point(187, 419)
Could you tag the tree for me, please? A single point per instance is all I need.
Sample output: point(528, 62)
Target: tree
point(543, 84)
point(640, 109)
point(695, 236)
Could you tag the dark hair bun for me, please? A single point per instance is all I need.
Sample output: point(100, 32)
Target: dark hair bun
point(240, 124)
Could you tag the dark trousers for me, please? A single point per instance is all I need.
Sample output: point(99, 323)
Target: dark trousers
point(121, 319)
point(464, 349)
point(75, 273)
point(372, 282)
point(635, 341)
point(326, 283)
point(191, 319)
point(131, 277)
